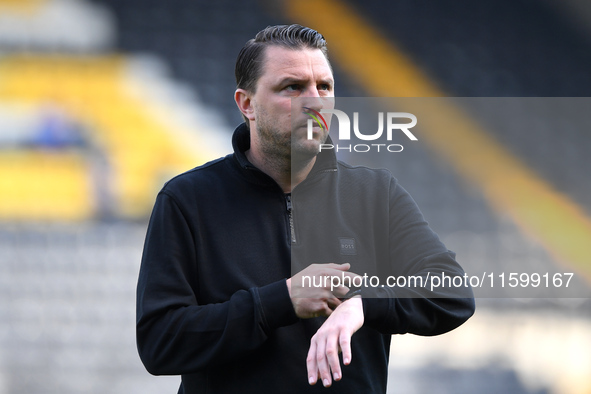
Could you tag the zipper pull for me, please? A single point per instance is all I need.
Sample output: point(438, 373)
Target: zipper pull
point(288, 202)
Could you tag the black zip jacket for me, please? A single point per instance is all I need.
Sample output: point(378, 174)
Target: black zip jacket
point(212, 302)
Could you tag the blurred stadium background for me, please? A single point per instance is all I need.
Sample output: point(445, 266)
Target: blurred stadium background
point(103, 101)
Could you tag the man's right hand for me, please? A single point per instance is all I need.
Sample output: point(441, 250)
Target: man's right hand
point(318, 294)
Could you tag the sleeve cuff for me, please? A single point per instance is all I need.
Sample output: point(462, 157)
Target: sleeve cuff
point(375, 310)
point(276, 306)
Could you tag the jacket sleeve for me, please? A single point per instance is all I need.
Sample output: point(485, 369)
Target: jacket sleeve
point(423, 304)
point(176, 335)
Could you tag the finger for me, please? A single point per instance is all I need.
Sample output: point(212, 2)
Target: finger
point(333, 302)
point(340, 291)
point(336, 279)
point(345, 345)
point(336, 289)
point(311, 364)
point(351, 275)
point(332, 356)
point(340, 267)
point(322, 362)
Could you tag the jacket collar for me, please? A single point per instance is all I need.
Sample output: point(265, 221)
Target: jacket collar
point(241, 143)
point(326, 159)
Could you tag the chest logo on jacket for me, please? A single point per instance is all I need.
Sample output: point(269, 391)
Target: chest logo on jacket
point(347, 246)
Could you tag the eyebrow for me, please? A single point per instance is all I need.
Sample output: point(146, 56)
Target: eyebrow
point(294, 80)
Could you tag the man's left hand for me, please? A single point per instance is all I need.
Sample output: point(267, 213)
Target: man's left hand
point(334, 336)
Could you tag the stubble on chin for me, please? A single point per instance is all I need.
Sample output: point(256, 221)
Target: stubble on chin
point(274, 144)
point(285, 149)
point(304, 151)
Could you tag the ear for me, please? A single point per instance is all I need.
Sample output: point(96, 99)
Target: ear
point(244, 103)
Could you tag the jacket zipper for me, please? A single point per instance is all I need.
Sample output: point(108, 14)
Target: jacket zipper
point(290, 209)
point(289, 205)
point(290, 214)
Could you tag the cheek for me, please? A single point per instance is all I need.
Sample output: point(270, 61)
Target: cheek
point(288, 109)
point(285, 107)
point(278, 110)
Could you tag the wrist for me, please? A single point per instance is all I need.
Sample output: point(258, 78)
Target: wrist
point(350, 294)
point(288, 284)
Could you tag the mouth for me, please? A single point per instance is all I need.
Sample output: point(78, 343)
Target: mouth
point(308, 125)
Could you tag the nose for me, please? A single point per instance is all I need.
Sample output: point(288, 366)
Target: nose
point(315, 102)
point(311, 90)
point(312, 98)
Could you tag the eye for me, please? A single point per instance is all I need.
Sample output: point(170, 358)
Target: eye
point(293, 87)
point(324, 86)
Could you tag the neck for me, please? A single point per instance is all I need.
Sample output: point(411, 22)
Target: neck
point(287, 174)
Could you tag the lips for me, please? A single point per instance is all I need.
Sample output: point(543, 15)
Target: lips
point(303, 123)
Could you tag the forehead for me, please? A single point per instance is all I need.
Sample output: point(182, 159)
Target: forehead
point(304, 63)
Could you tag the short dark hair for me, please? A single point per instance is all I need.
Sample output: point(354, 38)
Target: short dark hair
point(249, 64)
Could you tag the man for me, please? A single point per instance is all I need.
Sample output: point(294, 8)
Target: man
point(217, 302)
